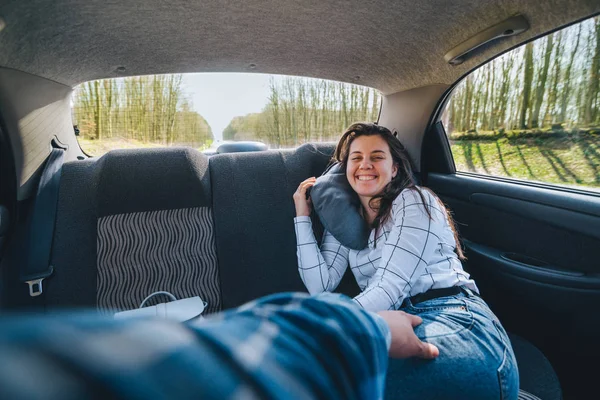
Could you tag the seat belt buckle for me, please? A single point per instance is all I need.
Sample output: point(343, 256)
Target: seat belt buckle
point(34, 281)
point(35, 287)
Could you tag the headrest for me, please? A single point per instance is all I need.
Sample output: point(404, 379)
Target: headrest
point(152, 179)
point(238, 147)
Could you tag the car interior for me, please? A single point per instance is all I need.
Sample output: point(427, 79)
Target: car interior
point(107, 231)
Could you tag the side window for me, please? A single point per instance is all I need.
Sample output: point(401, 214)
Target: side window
point(533, 113)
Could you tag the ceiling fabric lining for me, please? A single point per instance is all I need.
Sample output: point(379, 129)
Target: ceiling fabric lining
point(387, 45)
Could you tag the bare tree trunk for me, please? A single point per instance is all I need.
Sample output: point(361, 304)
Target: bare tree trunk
point(324, 110)
point(107, 94)
point(477, 84)
point(449, 125)
point(344, 98)
point(98, 113)
point(485, 113)
point(527, 78)
point(376, 105)
point(594, 76)
point(458, 100)
point(467, 104)
point(503, 101)
point(541, 86)
point(493, 116)
point(550, 114)
point(568, 79)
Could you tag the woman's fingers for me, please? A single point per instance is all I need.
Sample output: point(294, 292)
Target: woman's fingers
point(306, 184)
point(301, 201)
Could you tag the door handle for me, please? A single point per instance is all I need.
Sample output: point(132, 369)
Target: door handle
point(538, 264)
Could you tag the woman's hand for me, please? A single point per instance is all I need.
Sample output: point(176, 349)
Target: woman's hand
point(303, 204)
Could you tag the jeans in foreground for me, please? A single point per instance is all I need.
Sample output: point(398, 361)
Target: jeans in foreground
point(476, 359)
point(285, 346)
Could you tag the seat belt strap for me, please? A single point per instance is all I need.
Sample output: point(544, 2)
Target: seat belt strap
point(37, 266)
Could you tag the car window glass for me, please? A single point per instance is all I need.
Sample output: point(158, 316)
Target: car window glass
point(533, 113)
point(205, 110)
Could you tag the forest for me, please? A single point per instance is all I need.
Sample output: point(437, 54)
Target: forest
point(301, 110)
point(533, 113)
point(137, 111)
point(551, 83)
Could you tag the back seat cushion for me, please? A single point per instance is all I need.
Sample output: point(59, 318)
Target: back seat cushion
point(166, 250)
point(254, 211)
point(152, 179)
point(153, 230)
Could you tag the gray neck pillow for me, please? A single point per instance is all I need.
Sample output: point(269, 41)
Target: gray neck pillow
point(338, 208)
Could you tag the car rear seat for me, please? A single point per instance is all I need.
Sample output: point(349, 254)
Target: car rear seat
point(254, 211)
point(137, 221)
point(256, 245)
point(131, 223)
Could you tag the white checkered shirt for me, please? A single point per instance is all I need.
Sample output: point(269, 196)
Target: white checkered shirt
point(412, 254)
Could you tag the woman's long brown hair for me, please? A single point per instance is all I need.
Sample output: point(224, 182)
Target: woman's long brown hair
point(404, 179)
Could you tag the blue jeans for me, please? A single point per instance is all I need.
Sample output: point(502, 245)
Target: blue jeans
point(476, 359)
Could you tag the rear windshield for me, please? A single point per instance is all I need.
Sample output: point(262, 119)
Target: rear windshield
point(205, 110)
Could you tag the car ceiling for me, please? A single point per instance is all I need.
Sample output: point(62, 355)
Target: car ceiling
point(388, 45)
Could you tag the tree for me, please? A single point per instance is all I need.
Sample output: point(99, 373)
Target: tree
point(503, 97)
point(527, 79)
point(98, 111)
point(301, 109)
point(485, 114)
point(567, 84)
point(150, 109)
point(589, 105)
point(550, 113)
point(541, 86)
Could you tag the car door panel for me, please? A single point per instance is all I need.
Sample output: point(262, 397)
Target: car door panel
point(533, 251)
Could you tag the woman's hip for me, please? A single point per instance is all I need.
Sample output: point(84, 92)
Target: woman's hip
point(475, 352)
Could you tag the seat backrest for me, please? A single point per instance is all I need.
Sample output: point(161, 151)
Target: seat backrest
point(134, 222)
point(254, 211)
point(131, 223)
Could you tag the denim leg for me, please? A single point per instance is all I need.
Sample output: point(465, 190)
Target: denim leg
point(476, 359)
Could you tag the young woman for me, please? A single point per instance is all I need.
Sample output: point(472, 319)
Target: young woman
point(412, 263)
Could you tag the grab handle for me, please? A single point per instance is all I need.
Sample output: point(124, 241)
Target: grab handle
point(510, 27)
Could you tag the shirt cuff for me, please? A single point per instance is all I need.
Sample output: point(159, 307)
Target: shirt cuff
point(302, 218)
point(385, 329)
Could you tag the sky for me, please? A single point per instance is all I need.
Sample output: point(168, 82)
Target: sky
point(219, 97)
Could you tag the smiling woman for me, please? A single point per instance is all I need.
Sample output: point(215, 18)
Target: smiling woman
point(370, 168)
point(412, 263)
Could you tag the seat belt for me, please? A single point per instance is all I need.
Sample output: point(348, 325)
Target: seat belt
point(41, 230)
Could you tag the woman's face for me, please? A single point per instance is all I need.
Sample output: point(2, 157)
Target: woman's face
point(370, 165)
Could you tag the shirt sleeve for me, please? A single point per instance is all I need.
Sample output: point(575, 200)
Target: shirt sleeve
point(321, 269)
point(404, 255)
point(288, 345)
